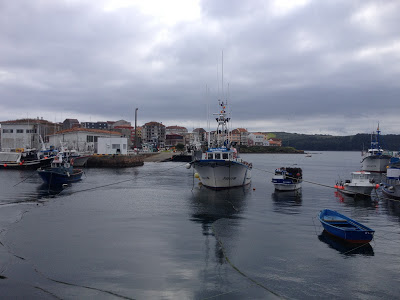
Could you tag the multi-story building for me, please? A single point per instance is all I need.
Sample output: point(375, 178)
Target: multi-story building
point(154, 132)
point(81, 139)
point(172, 140)
point(95, 125)
point(257, 139)
point(240, 136)
point(175, 130)
point(26, 133)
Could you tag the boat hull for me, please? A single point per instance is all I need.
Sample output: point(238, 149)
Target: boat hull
point(222, 174)
point(375, 163)
point(357, 190)
point(345, 228)
point(287, 186)
point(27, 165)
point(391, 191)
point(54, 178)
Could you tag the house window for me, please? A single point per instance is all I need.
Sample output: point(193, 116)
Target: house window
point(217, 155)
point(224, 155)
point(8, 131)
point(124, 146)
point(20, 131)
point(115, 146)
point(95, 139)
point(89, 138)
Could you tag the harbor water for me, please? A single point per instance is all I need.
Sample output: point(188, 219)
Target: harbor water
point(153, 232)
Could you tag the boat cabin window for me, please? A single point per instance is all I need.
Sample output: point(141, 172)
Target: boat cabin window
point(210, 156)
point(217, 155)
point(224, 155)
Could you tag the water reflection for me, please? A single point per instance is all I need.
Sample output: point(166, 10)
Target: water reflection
point(345, 248)
point(363, 202)
point(210, 205)
point(287, 202)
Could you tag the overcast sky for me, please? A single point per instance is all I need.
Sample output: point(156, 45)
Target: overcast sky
point(329, 67)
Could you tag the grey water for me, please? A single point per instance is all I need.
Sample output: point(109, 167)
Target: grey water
point(153, 232)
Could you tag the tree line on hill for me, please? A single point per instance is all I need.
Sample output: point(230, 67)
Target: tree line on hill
point(316, 142)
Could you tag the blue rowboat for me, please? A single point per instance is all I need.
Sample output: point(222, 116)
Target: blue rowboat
point(344, 227)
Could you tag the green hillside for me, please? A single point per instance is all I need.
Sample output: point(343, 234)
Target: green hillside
point(318, 142)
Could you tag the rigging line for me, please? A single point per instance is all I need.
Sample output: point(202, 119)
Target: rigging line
point(33, 173)
point(122, 181)
point(237, 269)
point(355, 248)
point(230, 292)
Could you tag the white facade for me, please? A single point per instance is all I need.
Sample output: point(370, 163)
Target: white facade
point(82, 140)
point(258, 139)
point(112, 145)
point(15, 136)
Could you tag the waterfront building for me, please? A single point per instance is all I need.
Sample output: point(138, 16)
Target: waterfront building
point(154, 132)
point(257, 139)
point(275, 142)
point(26, 133)
point(112, 145)
point(80, 139)
point(240, 136)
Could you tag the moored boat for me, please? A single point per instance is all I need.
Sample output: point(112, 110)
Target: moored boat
point(360, 184)
point(390, 185)
point(24, 159)
point(344, 227)
point(287, 179)
point(60, 172)
point(221, 166)
point(375, 159)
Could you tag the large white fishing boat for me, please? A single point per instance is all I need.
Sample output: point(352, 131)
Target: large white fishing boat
point(375, 159)
point(360, 184)
point(220, 166)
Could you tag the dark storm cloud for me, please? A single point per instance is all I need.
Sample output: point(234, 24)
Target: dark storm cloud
point(315, 62)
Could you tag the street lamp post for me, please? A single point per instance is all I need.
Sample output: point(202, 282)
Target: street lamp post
point(136, 130)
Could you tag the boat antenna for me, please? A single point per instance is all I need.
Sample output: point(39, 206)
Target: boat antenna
point(222, 80)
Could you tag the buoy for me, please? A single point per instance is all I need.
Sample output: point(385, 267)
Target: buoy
point(188, 166)
point(196, 175)
point(5, 165)
point(336, 186)
point(20, 163)
point(254, 189)
point(377, 186)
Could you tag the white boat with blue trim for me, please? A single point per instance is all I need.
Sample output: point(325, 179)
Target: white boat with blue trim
point(220, 166)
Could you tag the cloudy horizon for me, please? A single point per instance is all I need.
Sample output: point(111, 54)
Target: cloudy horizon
point(313, 67)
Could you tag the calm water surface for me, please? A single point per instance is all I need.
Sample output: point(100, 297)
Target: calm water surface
point(153, 232)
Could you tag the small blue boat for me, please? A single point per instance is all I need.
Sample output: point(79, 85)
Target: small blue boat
point(60, 172)
point(345, 228)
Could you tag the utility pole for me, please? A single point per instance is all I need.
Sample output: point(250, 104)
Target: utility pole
point(136, 130)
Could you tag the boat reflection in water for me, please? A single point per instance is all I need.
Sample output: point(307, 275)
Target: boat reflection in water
point(218, 212)
point(287, 202)
point(346, 248)
point(210, 205)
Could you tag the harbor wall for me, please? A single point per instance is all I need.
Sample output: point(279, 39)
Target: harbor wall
point(114, 161)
